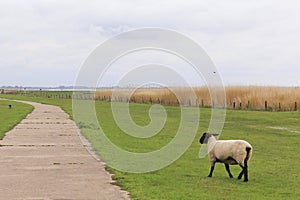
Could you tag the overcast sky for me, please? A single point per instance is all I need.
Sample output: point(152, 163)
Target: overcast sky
point(43, 43)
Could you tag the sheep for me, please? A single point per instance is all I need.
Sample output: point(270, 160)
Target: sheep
point(229, 152)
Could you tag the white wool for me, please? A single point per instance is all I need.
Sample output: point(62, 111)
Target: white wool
point(223, 149)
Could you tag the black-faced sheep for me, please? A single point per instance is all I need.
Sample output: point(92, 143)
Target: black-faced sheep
point(229, 152)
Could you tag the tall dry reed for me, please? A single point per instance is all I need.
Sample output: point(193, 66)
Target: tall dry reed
point(237, 97)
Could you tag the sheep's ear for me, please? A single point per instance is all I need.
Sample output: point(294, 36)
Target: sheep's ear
point(203, 139)
point(215, 134)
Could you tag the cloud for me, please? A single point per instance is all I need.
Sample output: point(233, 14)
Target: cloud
point(248, 40)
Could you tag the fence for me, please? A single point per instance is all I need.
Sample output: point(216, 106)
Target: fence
point(267, 106)
point(167, 97)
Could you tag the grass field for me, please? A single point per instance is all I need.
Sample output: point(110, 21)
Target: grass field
point(9, 117)
point(274, 170)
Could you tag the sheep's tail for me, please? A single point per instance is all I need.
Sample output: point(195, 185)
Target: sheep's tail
point(248, 150)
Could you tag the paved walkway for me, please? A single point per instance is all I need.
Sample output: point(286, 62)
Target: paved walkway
point(43, 157)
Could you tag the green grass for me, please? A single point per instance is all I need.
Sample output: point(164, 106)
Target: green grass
point(65, 104)
point(9, 117)
point(274, 170)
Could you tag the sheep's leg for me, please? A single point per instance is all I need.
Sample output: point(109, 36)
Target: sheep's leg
point(211, 169)
point(245, 171)
point(242, 172)
point(228, 170)
point(246, 174)
point(248, 150)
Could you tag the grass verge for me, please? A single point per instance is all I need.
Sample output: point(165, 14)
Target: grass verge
point(10, 117)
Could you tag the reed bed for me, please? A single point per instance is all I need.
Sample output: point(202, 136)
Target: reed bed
point(237, 97)
point(270, 98)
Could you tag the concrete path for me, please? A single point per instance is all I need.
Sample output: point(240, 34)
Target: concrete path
point(43, 157)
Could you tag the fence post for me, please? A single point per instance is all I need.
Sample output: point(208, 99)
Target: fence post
point(295, 106)
point(234, 105)
point(240, 105)
point(279, 106)
point(248, 105)
point(202, 103)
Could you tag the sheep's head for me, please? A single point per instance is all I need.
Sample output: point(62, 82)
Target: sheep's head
point(204, 138)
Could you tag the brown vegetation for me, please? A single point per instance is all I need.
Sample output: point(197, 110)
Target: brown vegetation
point(237, 97)
point(271, 98)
